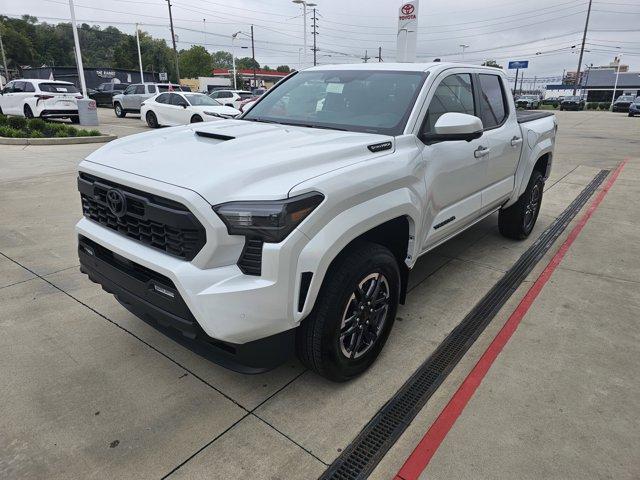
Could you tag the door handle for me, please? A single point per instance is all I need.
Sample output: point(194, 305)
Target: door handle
point(516, 141)
point(481, 151)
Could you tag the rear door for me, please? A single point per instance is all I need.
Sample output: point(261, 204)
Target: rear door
point(455, 172)
point(502, 132)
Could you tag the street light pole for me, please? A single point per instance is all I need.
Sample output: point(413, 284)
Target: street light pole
point(4, 60)
point(76, 42)
point(464, 47)
point(615, 85)
point(139, 55)
point(304, 4)
point(253, 56)
point(233, 58)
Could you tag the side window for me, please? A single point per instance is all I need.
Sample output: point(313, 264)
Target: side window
point(163, 98)
point(8, 88)
point(130, 89)
point(18, 87)
point(139, 89)
point(454, 94)
point(215, 95)
point(176, 99)
point(151, 88)
point(493, 109)
point(28, 87)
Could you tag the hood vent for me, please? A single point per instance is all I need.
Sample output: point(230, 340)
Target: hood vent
point(217, 136)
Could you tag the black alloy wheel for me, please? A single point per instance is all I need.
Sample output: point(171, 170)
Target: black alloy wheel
point(152, 120)
point(364, 316)
point(532, 207)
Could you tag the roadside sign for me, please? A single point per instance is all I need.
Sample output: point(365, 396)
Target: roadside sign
point(163, 76)
point(518, 64)
point(407, 31)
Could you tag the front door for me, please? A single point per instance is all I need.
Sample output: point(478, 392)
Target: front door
point(455, 169)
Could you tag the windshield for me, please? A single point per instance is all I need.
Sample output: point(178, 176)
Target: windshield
point(572, 99)
point(355, 100)
point(245, 95)
point(58, 88)
point(625, 98)
point(530, 97)
point(201, 100)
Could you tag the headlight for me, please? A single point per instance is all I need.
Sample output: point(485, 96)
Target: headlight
point(271, 221)
point(213, 114)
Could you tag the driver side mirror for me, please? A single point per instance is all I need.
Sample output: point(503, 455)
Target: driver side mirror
point(454, 126)
point(183, 104)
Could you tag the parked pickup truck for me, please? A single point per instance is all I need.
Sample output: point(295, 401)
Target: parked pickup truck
point(295, 227)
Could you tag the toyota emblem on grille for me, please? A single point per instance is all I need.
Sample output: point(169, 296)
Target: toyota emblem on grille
point(116, 202)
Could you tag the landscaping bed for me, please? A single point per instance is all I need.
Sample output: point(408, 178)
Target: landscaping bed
point(20, 127)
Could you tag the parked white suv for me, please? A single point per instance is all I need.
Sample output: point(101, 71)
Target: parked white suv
point(231, 98)
point(40, 98)
point(297, 225)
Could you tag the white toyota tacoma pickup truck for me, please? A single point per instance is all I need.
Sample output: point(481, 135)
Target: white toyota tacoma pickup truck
point(294, 227)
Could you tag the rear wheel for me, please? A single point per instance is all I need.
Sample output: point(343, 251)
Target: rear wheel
point(518, 220)
point(353, 315)
point(120, 113)
point(28, 113)
point(152, 120)
point(75, 119)
point(196, 119)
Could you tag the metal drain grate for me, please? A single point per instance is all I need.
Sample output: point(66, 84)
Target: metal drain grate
point(359, 459)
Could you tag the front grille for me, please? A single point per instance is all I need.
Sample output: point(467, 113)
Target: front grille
point(154, 221)
point(250, 262)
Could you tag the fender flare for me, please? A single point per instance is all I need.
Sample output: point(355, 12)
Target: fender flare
point(346, 227)
point(525, 168)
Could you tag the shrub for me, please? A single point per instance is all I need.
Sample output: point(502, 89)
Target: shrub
point(10, 132)
point(3, 120)
point(603, 106)
point(94, 133)
point(19, 123)
point(36, 134)
point(61, 134)
point(37, 124)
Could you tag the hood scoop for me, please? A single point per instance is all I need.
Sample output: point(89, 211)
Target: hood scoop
point(217, 136)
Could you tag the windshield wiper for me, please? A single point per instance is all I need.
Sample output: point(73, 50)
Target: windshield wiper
point(261, 120)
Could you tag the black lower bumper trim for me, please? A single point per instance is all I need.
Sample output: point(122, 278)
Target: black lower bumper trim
point(154, 299)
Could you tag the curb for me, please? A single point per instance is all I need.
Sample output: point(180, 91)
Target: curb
point(57, 141)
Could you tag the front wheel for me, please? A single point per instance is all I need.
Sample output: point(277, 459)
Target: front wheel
point(196, 119)
point(120, 113)
point(518, 220)
point(353, 314)
point(152, 120)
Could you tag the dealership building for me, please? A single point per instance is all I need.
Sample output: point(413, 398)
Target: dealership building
point(597, 85)
point(93, 76)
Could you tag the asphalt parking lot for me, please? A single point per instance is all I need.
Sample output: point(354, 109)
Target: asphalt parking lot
point(90, 391)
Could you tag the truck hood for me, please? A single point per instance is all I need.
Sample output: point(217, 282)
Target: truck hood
point(238, 159)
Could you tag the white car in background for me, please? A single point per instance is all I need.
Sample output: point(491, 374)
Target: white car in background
point(181, 108)
point(40, 98)
point(231, 98)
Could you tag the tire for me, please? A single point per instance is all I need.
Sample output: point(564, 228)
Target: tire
point(119, 111)
point(28, 113)
point(196, 119)
point(561, 109)
point(348, 285)
point(75, 119)
point(630, 114)
point(152, 120)
point(518, 220)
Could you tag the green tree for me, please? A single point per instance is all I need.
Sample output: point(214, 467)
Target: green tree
point(246, 63)
point(491, 63)
point(283, 68)
point(221, 59)
point(195, 62)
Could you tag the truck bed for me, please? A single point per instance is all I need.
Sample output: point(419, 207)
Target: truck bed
point(524, 116)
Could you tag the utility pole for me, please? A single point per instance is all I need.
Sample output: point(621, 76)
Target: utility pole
point(314, 31)
point(366, 57)
point(173, 39)
point(515, 85)
point(253, 55)
point(521, 80)
point(204, 27)
point(139, 55)
point(379, 54)
point(584, 39)
point(76, 41)
point(4, 59)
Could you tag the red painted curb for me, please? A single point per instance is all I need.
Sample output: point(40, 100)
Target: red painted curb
point(427, 447)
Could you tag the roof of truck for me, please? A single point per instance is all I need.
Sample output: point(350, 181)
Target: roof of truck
point(403, 67)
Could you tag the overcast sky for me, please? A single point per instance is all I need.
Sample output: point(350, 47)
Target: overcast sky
point(542, 32)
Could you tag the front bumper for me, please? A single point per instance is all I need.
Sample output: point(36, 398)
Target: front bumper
point(154, 298)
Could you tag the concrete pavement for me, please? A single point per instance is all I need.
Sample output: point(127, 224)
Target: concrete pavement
point(70, 350)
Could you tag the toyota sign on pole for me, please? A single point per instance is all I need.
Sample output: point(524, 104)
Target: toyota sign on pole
point(407, 31)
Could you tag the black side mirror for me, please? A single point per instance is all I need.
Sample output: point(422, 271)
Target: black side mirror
point(183, 105)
